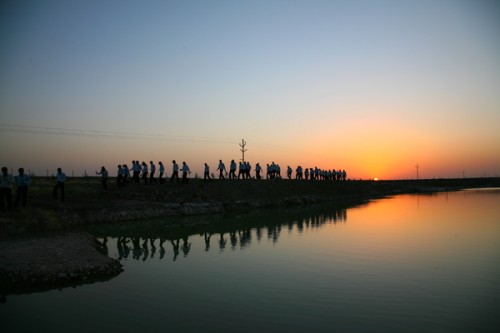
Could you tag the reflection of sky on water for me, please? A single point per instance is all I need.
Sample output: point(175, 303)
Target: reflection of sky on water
point(405, 264)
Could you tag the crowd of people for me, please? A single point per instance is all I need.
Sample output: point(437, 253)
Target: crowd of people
point(142, 172)
point(147, 174)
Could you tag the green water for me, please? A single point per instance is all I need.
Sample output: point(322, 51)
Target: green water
point(404, 264)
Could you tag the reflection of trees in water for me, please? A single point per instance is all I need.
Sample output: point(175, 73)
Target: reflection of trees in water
point(144, 248)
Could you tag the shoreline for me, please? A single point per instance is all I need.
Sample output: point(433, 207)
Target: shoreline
point(86, 202)
point(40, 248)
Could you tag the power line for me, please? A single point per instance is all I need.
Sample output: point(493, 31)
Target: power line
point(112, 134)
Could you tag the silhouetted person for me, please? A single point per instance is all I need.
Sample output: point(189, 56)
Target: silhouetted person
point(120, 177)
point(136, 168)
point(60, 180)
point(248, 168)
point(232, 170)
point(152, 171)
point(222, 169)
point(298, 172)
point(104, 177)
point(126, 174)
point(206, 172)
point(6, 183)
point(185, 172)
point(22, 183)
point(258, 169)
point(289, 172)
point(144, 172)
point(162, 171)
point(175, 171)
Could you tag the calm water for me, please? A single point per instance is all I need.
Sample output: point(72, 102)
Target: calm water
point(405, 264)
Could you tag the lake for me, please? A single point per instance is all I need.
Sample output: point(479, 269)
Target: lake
point(410, 263)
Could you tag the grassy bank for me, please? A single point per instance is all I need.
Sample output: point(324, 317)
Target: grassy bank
point(86, 202)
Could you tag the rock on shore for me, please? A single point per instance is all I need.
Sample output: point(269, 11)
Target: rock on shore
point(53, 260)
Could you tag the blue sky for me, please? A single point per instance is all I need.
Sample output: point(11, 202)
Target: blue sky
point(337, 84)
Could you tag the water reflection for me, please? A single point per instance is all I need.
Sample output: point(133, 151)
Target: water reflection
point(141, 240)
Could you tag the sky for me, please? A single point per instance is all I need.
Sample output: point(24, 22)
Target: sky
point(372, 87)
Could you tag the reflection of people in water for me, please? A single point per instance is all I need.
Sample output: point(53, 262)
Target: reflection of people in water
point(123, 248)
point(207, 236)
point(153, 247)
point(145, 249)
point(162, 249)
point(175, 247)
point(242, 237)
point(222, 242)
point(104, 245)
point(186, 247)
point(136, 251)
point(245, 237)
point(233, 239)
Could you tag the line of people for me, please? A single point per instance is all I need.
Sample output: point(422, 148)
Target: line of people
point(7, 181)
point(147, 174)
point(22, 182)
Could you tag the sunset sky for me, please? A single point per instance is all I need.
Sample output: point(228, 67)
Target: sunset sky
point(373, 87)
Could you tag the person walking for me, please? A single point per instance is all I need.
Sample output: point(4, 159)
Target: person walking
point(60, 180)
point(232, 170)
point(289, 172)
point(161, 169)
point(6, 183)
point(22, 182)
point(152, 171)
point(258, 169)
point(206, 172)
point(144, 172)
point(104, 177)
point(185, 171)
point(222, 169)
point(175, 171)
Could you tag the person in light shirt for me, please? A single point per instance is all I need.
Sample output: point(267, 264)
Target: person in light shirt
point(175, 171)
point(144, 175)
point(232, 170)
point(222, 169)
point(185, 171)
point(6, 182)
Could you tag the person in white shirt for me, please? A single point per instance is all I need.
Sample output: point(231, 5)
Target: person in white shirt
point(6, 183)
point(145, 172)
point(298, 172)
point(222, 169)
point(185, 171)
point(175, 171)
point(60, 180)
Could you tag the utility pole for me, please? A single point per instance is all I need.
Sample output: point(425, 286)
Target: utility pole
point(243, 150)
point(417, 166)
